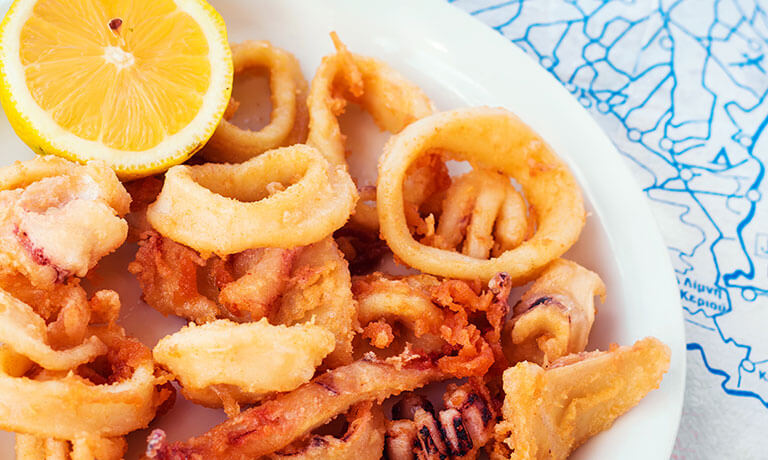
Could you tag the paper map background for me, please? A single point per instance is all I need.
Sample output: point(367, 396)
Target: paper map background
point(681, 88)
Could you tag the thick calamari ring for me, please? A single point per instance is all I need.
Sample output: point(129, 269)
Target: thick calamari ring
point(392, 101)
point(68, 407)
point(257, 358)
point(24, 331)
point(225, 209)
point(288, 123)
point(490, 138)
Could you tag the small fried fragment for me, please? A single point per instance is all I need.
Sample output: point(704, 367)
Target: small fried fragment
point(554, 317)
point(168, 272)
point(143, 193)
point(256, 358)
point(278, 422)
point(58, 218)
point(288, 123)
point(550, 412)
point(363, 439)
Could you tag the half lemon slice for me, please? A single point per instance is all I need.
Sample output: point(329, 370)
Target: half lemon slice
point(139, 84)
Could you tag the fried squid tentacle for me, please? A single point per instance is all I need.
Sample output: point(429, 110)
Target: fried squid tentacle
point(363, 439)
point(277, 423)
point(550, 412)
point(458, 432)
point(30, 447)
point(554, 317)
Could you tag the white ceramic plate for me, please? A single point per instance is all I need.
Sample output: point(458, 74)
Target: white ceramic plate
point(460, 62)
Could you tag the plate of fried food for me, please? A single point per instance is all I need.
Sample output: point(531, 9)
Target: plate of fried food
point(287, 229)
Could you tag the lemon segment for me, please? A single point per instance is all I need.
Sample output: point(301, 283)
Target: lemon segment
point(140, 84)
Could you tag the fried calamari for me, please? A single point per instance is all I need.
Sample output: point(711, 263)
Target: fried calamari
point(277, 423)
point(254, 359)
point(488, 139)
point(289, 118)
point(554, 317)
point(548, 412)
point(58, 218)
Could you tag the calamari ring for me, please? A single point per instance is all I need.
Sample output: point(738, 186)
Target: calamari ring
point(279, 358)
point(25, 332)
point(490, 138)
point(226, 209)
point(70, 406)
point(288, 123)
point(392, 101)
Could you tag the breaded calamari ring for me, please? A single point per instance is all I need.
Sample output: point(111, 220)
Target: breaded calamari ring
point(288, 123)
point(225, 209)
point(489, 138)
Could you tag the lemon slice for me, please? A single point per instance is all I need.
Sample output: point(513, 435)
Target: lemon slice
point(139, 84)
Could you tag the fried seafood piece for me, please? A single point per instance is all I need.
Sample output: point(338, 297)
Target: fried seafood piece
point(288, 93)
point(555, 315)
point(244, 362)
point(459, 431)
point(481, 212)
point(277, 423)
point(363, 438)
point(57, 218)
point(320, 290)
point(550, 412)
point(108, 397)
point(455, 319)
point(287, 286)
point(26, 333)
point(393, 102)
point(30, 447)
point(143, 193)
point(168, 274)
point(490, 139)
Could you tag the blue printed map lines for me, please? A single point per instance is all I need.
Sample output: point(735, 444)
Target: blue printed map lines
point(681, 87)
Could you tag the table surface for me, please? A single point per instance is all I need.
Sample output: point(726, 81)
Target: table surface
point(682, 90)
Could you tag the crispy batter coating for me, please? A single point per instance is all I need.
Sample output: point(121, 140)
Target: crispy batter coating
point(555, 315)
point(168, 274)
point(550, 412)
point(466, 319)
point(277, 423)
point(58, 218)
point(143, 193)
point(254, 359)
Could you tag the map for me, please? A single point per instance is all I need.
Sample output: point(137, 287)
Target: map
point(681, 87)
